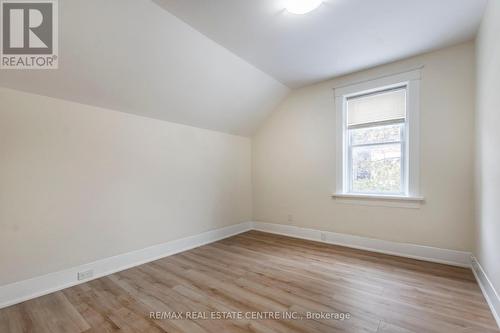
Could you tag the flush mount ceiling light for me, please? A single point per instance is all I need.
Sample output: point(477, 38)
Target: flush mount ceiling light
point(300, 7)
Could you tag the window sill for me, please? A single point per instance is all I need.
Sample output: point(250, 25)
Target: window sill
point(379, 200)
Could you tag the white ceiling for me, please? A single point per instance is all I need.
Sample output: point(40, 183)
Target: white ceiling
point(133, 56)
point(339, 37)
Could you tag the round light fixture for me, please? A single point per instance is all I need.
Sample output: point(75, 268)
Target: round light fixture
point(300, 7)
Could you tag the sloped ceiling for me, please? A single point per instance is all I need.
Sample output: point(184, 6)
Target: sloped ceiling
point(225, 64)
point(133, 56)
point(339, 37)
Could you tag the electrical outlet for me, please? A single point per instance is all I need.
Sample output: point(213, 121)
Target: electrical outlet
point(474, 262)
point(323, 236)
point(85, 275)
point(290, 218)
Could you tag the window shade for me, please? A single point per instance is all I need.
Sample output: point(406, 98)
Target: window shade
point(378, 107)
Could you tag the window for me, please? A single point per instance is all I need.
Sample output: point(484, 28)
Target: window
point(378, 137)
point(375, 141)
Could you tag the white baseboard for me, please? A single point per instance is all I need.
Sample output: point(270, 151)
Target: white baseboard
point(28, 289)
point(442, 256)
point(21, 291)
point(489, 292)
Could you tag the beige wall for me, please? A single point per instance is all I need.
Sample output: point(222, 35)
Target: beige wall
point(79, 183)
point(488, 144)
point(294, 159)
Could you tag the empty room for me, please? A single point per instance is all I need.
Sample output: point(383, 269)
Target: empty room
point(265, 166)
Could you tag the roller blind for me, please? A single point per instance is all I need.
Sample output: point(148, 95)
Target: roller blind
point(378, 107)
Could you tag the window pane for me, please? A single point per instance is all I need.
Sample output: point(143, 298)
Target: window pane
point(379, 134)
point(383, 106)
point(377, 169)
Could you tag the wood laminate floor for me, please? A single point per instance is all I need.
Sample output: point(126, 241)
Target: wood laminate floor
point(256, 274)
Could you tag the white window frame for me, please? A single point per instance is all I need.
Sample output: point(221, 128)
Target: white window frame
point(411, 81)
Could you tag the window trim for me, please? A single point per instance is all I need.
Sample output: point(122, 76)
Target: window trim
point(410, 80)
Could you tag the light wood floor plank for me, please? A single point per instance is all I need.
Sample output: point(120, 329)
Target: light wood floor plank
point(255, 272)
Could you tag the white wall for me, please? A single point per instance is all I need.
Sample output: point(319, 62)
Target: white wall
point(294, 159)
point(79, 183)
point(488, 144)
